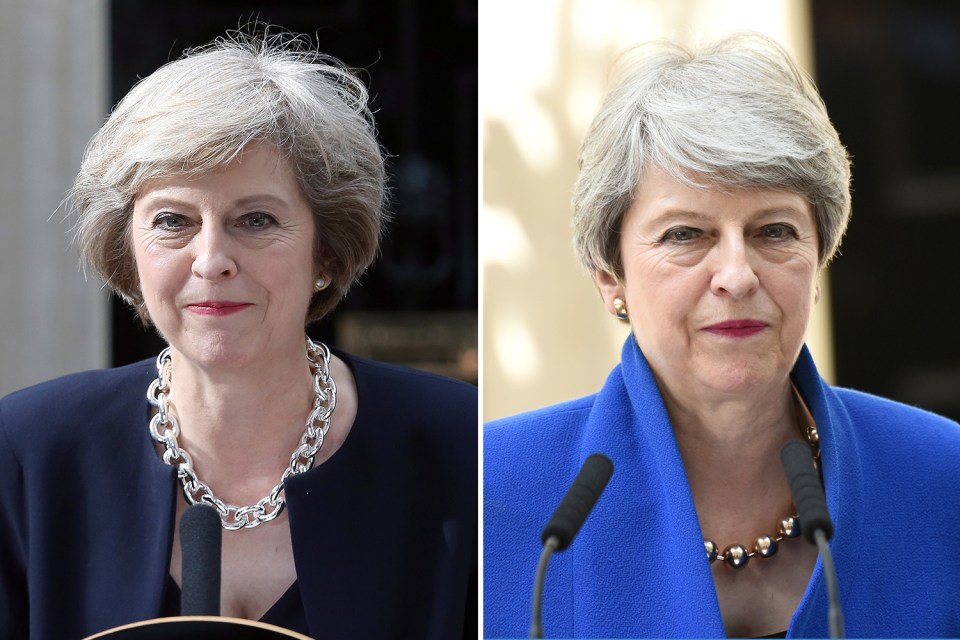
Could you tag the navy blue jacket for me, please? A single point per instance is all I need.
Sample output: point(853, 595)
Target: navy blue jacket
point(638, 566)
point(384, 532)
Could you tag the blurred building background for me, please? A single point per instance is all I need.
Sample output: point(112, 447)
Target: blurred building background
point(53, 96)
point(64, 63)
point(889, 73)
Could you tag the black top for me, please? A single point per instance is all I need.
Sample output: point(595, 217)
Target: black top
point(384, 532)
point(286, 613)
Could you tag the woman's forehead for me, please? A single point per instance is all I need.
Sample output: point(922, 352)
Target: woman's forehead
point(660, 194)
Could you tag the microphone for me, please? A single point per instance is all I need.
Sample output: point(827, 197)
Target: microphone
point(579, 500)
point(200, 543)
point(815, 523)
point(566, 522)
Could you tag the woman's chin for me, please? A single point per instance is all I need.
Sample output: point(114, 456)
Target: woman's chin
point(741, 377)
point(215, 352)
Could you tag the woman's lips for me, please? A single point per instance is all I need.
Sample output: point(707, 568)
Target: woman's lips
point(737, 328)
point(217, 307)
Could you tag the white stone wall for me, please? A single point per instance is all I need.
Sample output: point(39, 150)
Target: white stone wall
point(53, 96)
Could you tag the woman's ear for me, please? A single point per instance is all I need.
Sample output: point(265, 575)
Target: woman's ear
point(610, 289)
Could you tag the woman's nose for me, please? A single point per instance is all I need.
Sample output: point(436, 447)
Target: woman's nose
point(213, 258)
point(734, 274)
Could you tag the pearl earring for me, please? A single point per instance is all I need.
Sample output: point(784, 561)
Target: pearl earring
point(620, 307)
point(320, 284)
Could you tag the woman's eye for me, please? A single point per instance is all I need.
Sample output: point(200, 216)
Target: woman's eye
point(778, 231)
point(169, 222)
point(681, 234)
point(258, 220)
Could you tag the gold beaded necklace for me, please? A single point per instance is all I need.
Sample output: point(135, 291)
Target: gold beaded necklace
point(736, 556)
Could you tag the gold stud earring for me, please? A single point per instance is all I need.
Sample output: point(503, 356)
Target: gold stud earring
point(320, 284)
point(620, 307)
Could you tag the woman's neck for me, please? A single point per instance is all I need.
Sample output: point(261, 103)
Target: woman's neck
point(244, 401)
point(731, 453)
point(725, 428)
point(241, 425)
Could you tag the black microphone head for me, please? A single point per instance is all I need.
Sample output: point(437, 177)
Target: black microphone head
point(200, 546)
point(579, 500)
point(805, 486)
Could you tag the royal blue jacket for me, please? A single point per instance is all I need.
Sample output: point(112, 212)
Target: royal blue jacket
point(638, 567)
point(384, 532)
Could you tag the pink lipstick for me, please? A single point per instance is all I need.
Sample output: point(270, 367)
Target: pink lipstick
point(737, 328)
point(217, 307)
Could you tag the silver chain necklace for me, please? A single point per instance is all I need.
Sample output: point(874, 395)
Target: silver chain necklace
point(164, 429)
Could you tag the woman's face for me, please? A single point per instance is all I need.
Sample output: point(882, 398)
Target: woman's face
point(225, 259)
point(719, 285)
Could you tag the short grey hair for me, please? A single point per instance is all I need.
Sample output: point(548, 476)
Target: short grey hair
point(199, 112)
point(736, 113)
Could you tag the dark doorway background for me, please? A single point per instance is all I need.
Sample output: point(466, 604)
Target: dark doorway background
point(417, 305)
point(889, 73)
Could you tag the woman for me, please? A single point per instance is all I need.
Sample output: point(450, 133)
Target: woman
point(232, 197)
point(712, 192)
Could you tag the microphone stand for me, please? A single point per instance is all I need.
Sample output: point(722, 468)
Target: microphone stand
point(815, 522)
point(536, 618)
point(566, 522)
point(834, 612)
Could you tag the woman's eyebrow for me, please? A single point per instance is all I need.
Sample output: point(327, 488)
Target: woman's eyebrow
point(670, 215)
point(261, 198)
point(166, 200)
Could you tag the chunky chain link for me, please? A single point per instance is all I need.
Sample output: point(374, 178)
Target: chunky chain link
point(165, 430)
